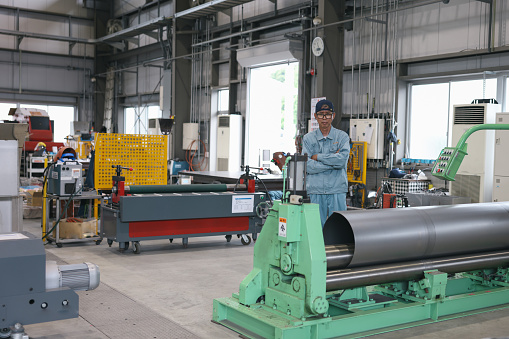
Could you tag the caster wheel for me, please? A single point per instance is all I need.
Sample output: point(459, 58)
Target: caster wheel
point(59, 245)
point(136, 247)
point(184, 242)
point(98, 242)
point(228, 238)
point(49, 241)
point(171, 240)
point(110, 242)
point(245, 239)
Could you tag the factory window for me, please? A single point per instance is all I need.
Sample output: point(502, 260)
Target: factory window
point(4, 111)
point(223, 97)
point(431, 110)
point(136, 118)
point(272, 114)
point(62, 116)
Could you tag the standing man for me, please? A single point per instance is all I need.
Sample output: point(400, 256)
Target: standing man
point(328, 150)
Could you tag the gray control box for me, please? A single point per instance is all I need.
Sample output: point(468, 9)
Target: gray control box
point(65, 179)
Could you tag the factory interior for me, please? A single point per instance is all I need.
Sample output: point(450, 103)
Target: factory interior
point(254, 168)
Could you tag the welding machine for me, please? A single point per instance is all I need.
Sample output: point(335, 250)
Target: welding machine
point(64, 178)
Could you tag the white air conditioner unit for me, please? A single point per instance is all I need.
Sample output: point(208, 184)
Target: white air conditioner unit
point(475, 175)
point(501, 167)
point(229, 142)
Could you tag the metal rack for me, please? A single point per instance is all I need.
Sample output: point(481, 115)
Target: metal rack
point(38, 169)
point(94, 199)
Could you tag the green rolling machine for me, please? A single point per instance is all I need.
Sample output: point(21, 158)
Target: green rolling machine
point(369, 271)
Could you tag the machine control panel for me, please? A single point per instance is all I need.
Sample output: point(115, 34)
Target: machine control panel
point(65, 179)
point(448, 163)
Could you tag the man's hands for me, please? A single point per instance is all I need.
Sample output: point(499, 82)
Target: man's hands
point(315, 157)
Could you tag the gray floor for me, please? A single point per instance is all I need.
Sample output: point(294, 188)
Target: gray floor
point(167, 292)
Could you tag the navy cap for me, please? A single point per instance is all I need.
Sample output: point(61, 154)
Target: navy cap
point(324, 105)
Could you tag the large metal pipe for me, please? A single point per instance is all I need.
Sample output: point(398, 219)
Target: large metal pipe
point(395, 235)
point(382, 274)
point(338, 256)
point(146, 189)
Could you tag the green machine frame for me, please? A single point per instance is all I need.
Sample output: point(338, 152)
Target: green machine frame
point(448, 162)
point(286, 296)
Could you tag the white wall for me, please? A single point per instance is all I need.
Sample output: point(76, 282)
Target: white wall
point(254, 8)
point(47, 24)
point(459, 26)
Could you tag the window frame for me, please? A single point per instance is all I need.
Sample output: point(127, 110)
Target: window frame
point(501, 92)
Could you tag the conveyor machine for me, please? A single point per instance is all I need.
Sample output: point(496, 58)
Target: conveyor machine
point(149, 212)
point(370, 271)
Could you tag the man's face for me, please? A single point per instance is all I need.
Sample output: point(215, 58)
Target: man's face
point(324, 118)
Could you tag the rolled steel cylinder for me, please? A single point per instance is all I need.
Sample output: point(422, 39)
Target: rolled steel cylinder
point(146, 189)
point(397, 235)
point(338, 256)
point(382, 274)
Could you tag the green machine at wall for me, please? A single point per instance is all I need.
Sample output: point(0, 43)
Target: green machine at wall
point(449, 160)
point(369, 271)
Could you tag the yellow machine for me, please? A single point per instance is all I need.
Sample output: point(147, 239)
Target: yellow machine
point(356, 169)
point(146, 154)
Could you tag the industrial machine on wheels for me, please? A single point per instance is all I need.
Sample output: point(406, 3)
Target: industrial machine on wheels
point(149, 212)
point(369, 271)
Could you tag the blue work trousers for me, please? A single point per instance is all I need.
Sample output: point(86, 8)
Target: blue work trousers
point(328, 204)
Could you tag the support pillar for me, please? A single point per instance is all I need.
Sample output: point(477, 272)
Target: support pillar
point(329, 65)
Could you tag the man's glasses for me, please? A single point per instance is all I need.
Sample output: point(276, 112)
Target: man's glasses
point(324, 115)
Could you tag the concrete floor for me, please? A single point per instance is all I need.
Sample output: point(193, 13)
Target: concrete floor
point(167, 292)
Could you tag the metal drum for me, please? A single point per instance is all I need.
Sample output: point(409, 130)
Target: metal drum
point(397, 235)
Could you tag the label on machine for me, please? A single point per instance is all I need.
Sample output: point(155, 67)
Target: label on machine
point(242, 203)
point(282, 227)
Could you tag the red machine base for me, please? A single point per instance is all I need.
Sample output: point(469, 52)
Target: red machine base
point(188, 226)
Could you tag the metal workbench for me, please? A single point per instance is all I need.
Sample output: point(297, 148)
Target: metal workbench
point(91, 196)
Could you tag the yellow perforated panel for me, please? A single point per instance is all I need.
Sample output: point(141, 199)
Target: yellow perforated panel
point(146, 154)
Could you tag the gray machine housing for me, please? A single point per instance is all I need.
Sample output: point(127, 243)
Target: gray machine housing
point(23, 295)
point(139, 208)
point(65, 178)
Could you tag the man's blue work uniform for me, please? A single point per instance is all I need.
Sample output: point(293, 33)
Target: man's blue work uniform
point(327, 182)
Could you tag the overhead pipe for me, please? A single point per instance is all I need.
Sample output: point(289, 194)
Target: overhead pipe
point(148, 189)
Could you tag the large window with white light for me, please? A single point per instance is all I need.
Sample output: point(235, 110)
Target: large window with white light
point(272, 112)
point(431, 112)
point(136, 118)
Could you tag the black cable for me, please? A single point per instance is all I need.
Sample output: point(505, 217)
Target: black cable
point(266, 190)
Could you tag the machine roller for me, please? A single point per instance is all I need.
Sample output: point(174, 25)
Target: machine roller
point(370, 271)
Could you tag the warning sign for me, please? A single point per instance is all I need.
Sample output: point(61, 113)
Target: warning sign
point(282, 227)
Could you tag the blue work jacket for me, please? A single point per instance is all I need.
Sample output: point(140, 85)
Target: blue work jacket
point(327, 175)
